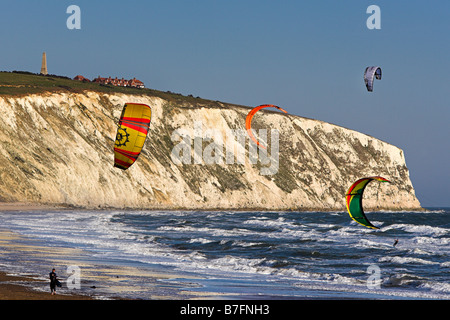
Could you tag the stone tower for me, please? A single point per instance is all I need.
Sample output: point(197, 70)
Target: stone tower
point(44, 64)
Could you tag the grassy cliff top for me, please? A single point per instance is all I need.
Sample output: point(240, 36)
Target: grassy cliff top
point(20, 83)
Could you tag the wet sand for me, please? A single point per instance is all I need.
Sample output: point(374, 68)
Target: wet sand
point(21, 287)
point(100, 281)
point(18, 288)
point(22, 206)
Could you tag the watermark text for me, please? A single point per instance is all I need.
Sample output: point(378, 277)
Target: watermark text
point(211, 146)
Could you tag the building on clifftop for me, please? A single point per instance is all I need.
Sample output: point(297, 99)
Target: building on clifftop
point(134, 83)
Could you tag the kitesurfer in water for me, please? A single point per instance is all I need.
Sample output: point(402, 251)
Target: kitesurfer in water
point(53, 281)
point(395, 242)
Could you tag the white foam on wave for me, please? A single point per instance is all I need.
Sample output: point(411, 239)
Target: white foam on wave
point(419, 251)
point(264, 222)
point(298, 234)
point(431, 241)
point(200, 240)
point(246, 244)
point(365, 243)
point(259, 266)
point(418, 229)
point(406, 260)
point(216, 232)
point(437, 286)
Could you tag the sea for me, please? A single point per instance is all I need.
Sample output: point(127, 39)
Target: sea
point(123, 254)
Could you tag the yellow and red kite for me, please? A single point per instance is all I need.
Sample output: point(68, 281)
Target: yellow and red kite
point(131, 134)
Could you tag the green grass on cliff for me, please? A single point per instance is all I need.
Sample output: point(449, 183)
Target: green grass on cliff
point(20, 83)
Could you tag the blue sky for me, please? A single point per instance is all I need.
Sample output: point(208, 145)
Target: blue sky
point(306, 56)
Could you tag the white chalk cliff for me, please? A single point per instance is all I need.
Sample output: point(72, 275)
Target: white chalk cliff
point(57, 148)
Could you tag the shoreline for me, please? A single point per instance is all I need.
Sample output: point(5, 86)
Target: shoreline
point(26, 262)
point(30, 286)
point(20, 288)
point(23, 285)
point(26, 206)
point(100, 281)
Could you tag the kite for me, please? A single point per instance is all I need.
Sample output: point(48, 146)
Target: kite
point(248, 120)
point(131, 134)
point(369, 75)
point(354, 200)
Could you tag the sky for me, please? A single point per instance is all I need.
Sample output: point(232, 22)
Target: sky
point(307, 57)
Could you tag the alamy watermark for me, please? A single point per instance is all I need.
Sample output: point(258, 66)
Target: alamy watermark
point(374, 20)
point(74, 279)
point(74, 20)
point(374, 280)
point(214, 146)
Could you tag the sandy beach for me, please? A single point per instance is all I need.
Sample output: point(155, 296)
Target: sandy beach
point(22, 206)
point(18, 288)
point(33, 284)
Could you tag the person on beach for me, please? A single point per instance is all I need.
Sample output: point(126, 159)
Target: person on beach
point(53, 281)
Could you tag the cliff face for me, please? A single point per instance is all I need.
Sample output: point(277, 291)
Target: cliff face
point(58, 149)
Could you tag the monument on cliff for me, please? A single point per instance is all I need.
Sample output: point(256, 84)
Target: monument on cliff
point(44, 64)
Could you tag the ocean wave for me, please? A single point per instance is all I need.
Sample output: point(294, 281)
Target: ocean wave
point(406, 260)
point(418, 251)
point(418, 229)
point(435, 211)
point(299, 234)
point(201, 240)
point(263, 266)
point(431, 241)
point(437, 286)
point(247, 244)
point(264, 222)
point(286, 249)
point(344, 233)
point(401, 280)
point(364, 243)
point(411, 280)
